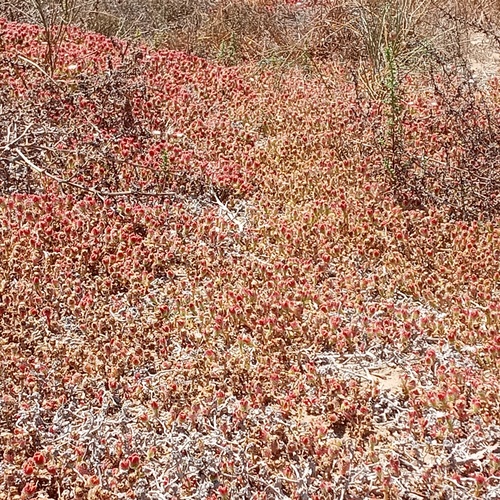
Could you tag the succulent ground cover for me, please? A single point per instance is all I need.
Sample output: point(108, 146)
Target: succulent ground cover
point(209, 287)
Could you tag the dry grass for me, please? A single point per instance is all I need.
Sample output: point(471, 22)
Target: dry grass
point(351, 29)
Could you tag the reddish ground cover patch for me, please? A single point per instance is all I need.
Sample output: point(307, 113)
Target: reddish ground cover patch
point(209, 291)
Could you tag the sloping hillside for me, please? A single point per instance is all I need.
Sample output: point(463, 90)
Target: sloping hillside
point(214, 285)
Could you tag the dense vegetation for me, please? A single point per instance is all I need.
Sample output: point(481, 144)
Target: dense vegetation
point(246, 278)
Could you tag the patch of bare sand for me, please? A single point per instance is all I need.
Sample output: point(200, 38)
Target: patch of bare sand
point(484, 56)
point(389, 378)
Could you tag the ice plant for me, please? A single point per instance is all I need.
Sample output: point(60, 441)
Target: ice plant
point(205, 289)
